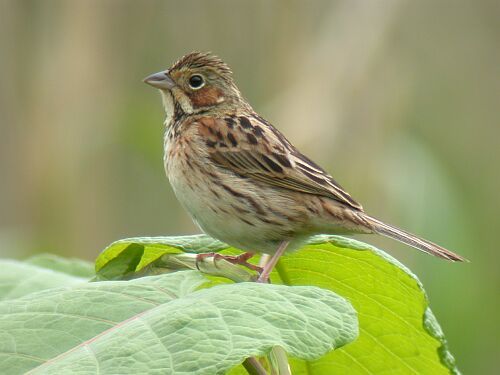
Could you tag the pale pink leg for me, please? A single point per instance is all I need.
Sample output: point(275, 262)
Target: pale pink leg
point(264, 276)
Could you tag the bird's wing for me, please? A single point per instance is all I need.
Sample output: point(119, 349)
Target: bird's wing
point(249, 146)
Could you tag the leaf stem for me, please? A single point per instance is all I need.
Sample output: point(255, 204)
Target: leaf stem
point(253, 366)
point(209, 265)
point(279, 361)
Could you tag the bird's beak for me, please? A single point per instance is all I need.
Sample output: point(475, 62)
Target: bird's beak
point(160, 80)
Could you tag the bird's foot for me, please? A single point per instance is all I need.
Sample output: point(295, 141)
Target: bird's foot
point(242, 260)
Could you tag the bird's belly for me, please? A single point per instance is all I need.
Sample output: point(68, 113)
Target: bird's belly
point(215, 216)
point(230, 209)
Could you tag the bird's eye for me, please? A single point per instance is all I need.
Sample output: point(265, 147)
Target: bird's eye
point(196, 81)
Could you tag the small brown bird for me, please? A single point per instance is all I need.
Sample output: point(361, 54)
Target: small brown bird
point(241, 180)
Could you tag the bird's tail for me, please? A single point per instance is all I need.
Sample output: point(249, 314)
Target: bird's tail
point(412, 240)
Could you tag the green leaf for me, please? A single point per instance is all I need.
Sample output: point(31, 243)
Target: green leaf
point(18, 279)
point(130, 255)
point(160, 324)
point(398, 333)
point(71, 266)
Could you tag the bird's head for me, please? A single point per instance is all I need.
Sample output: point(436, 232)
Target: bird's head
point(198, 82)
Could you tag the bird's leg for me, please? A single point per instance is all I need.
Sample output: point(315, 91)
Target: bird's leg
point(241, 259)
point(264, 276)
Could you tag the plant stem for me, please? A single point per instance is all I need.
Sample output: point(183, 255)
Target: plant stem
point(279, 361)
point(253, 366)
point(209, 265)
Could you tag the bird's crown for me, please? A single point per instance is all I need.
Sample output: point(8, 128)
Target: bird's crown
point(197, 60)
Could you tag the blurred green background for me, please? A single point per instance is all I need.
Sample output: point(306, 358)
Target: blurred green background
point(399, 100)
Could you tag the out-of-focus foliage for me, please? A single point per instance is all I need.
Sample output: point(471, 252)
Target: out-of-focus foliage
point(398, 99)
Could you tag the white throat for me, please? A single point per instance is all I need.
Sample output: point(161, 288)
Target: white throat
point(168, 105)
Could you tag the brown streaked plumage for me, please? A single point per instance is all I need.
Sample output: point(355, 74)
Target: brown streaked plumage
point(240, 179)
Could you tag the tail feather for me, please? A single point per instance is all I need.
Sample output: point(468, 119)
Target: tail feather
point(412, 240)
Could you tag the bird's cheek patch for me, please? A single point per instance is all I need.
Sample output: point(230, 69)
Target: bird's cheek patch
point(206, 97)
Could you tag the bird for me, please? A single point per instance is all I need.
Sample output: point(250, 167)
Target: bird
point(241, 180)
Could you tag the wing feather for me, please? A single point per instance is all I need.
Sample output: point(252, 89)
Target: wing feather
point(272, 160)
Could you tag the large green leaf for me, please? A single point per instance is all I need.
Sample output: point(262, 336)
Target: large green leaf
point(71, 266)
point(18, 279)
point(160, 324)
point(398, 332)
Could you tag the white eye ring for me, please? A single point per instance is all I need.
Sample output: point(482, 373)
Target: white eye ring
point(196, 81)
